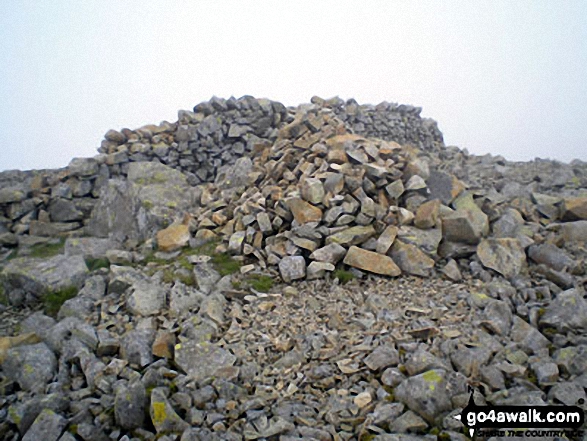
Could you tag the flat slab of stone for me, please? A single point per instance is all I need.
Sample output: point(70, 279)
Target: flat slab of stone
point(39, 276)
point(371, 261)
point(304, 212)
point(504, 255)
point(201, 361)
point(352, 236)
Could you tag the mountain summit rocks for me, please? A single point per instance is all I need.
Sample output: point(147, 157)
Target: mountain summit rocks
point(329, 271)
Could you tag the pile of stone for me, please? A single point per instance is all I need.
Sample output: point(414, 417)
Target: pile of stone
point(470, 271)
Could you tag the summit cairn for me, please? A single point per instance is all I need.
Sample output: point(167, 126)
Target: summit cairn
point(330, 271)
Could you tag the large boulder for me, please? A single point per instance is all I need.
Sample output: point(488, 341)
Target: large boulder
point(143, 204)
point(39, 276)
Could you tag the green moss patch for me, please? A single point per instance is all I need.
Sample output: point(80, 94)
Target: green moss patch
point(225, 264)
point(53, 301)
point(95, 264)
point(343, 276)
point(3, 298)
point(44, 250)
point(260, 282)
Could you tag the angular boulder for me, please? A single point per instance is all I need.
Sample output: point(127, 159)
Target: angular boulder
point(371, 261)
point(39, 276)
point(504, 255)
point(141, 205)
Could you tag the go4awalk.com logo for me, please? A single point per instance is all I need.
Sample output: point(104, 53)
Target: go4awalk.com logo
point(534, 420)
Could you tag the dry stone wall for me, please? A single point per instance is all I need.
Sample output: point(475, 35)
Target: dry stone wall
point(200, 144)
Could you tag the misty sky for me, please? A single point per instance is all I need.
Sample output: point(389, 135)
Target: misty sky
point(501, 77)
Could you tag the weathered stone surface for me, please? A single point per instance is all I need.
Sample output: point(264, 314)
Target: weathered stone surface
point(48, 426)
point(143, 204)
point(303, 211)
point(352, 236)
point(83, 167)
point(372, 262)
point(385, 240)
point(292, 268)
point(428, 394)
point(147, 298)
point(504, 255)
point(312, 190)
point(40, 276)
point(173, 238)
point(30, 366)
point(182, 298)
point(317, 270)
point(444, 186)
point(332, 253)
point(381, 358)
point(12, 194)
point(163, 416)
point(411, 259)
point(136, 346)
point(427, 214)
point(130, 403)
point(201, 361)
point(64, 210)
point(88, 247)
point(574, 209)
point(463, 226)
point(568, 311)
point(552, 256)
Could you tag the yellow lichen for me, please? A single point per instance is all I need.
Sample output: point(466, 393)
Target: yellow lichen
point(159, 414)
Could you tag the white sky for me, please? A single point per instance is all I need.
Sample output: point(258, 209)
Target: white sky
point(500, 77)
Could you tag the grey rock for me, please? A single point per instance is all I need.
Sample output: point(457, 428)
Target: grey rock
point(182, 298)
point(411, 259)
point(83, 167)
point(94, 288)
point(317, 270)
point(212, 308)
point(123, 277)
point(206, 277)
point(451, 271)
point(546, 372)
point(43, 275)
point(119, 257)
point(88, 247)
point(135, 347)
point(381, 358)
point(52, 229)
point(144, 204)
point(292, 268)
point(48, 426)
point(80, 307)
point(426, 394)
point(30, 366)
point(146, 298)
point(567, 312)
point(64, 210)
point(332, 253)
point(201, 361)
point(236, 175)
point(12, 194)
point(505, 255)
point(498, 317)
point(129, 405)
point(421, 360)
point(552, 256)
point(573, 231)
point(468, 360)
point(408, 422)
point(528, 338)
point(91, 432)
point(38, 323)
point(464, 226)
point(568, 393)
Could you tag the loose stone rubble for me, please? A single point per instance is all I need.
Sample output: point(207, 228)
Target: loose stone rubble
point(331, 271)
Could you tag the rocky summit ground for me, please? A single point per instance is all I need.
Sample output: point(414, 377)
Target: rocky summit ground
point(326, 272)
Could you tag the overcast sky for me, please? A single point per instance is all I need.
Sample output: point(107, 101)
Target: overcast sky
point(501, 77)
